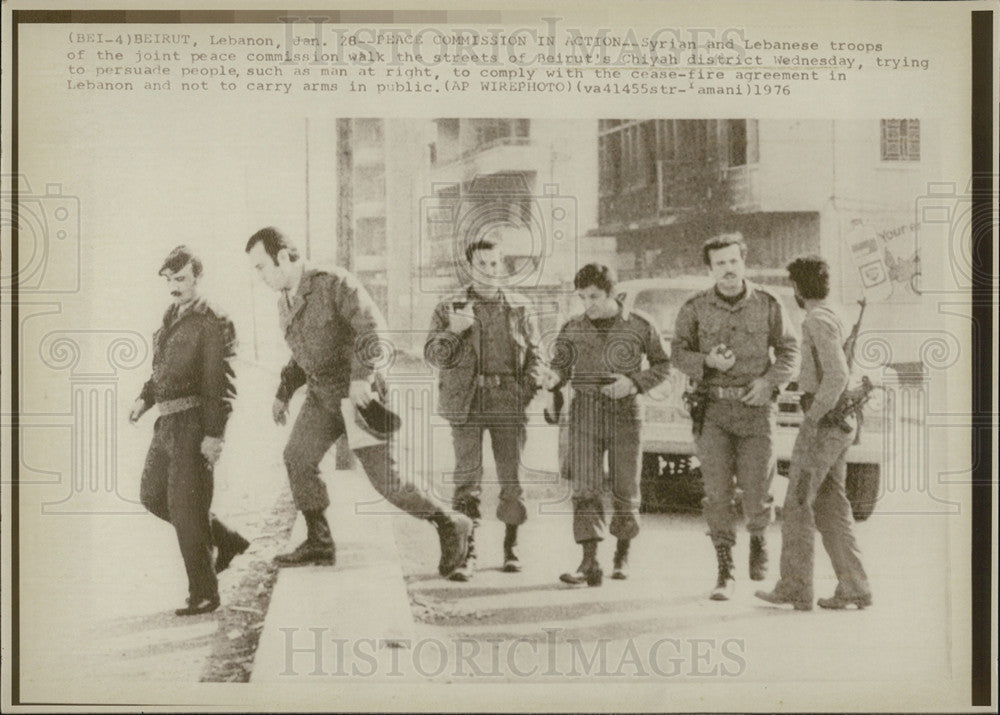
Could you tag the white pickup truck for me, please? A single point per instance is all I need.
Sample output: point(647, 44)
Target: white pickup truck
point(670, 476)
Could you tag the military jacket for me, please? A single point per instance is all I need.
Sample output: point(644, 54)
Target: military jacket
point(588, 356)
point(192, 357)
point(756, 328)
point(331, 326)
point(457, 355)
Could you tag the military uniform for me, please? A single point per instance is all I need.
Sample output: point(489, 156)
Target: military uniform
point(327, 325)
point(587, 353)
point(192, 383)
point(485, 383)
point(816, 494)
point(736, 438)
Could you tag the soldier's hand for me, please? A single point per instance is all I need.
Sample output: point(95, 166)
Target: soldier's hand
point(279, 411)
point(460, 320)
point(720, 358)
point(139, 408)
point(211, 449)
point(360, 393)
point(759, 394)
point(621, 387)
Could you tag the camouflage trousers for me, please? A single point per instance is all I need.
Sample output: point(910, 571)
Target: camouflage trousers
point(816, 500)
point(318, 426)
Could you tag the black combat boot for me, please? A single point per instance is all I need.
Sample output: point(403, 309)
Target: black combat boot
point(724, 585)
point(318, 548)
point(229, 544)
point(511, 564)
point(620, 571)
point(589, 571)
point(758, 558)
point(455, 536)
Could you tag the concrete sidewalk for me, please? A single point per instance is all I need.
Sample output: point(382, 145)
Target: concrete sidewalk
point(350, 620)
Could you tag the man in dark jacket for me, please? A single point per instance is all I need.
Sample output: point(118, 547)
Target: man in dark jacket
point(328, 319)
point(600, 354)
point(192, 384)
point(485, 340)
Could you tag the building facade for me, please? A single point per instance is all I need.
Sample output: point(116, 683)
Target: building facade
point(530, 185)
point(846, 189)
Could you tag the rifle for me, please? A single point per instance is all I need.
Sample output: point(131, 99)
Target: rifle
point(852, 339)
point(852, 401)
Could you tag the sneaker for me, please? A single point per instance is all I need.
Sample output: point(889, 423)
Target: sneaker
point(839, 603)
point(780, 599)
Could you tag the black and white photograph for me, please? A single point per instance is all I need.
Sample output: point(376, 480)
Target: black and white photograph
point(347, 363)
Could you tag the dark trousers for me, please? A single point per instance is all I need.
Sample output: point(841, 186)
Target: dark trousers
point(317, 427)
point(177, 487)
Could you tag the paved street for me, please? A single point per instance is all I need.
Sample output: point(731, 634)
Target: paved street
point(617, 631)
point(110, 621)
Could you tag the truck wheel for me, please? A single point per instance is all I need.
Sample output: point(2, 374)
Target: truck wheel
point(862, 489)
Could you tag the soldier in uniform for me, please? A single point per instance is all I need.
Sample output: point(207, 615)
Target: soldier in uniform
point(485, 340)
point(723, 338)
point(192, 385)
point(600, 354)
point(816, 496)
point(327, 316)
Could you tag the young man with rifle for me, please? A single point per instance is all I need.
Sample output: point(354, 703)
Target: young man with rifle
point(816, 494)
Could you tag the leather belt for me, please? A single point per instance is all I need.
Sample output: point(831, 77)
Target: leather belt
point(492, 380)
point(728, 393)
point(180, 404)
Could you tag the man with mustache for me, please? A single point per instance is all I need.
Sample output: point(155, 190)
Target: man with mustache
point(192, 385)
point(723, 338)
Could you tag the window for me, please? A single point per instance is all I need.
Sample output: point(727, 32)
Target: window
point(368, 132)
point(610, 151)
point(737, 136)
point(900, 140)
point(491, 132)
point(370, 236)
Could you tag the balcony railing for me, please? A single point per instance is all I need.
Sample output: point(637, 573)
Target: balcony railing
point(480, 148)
